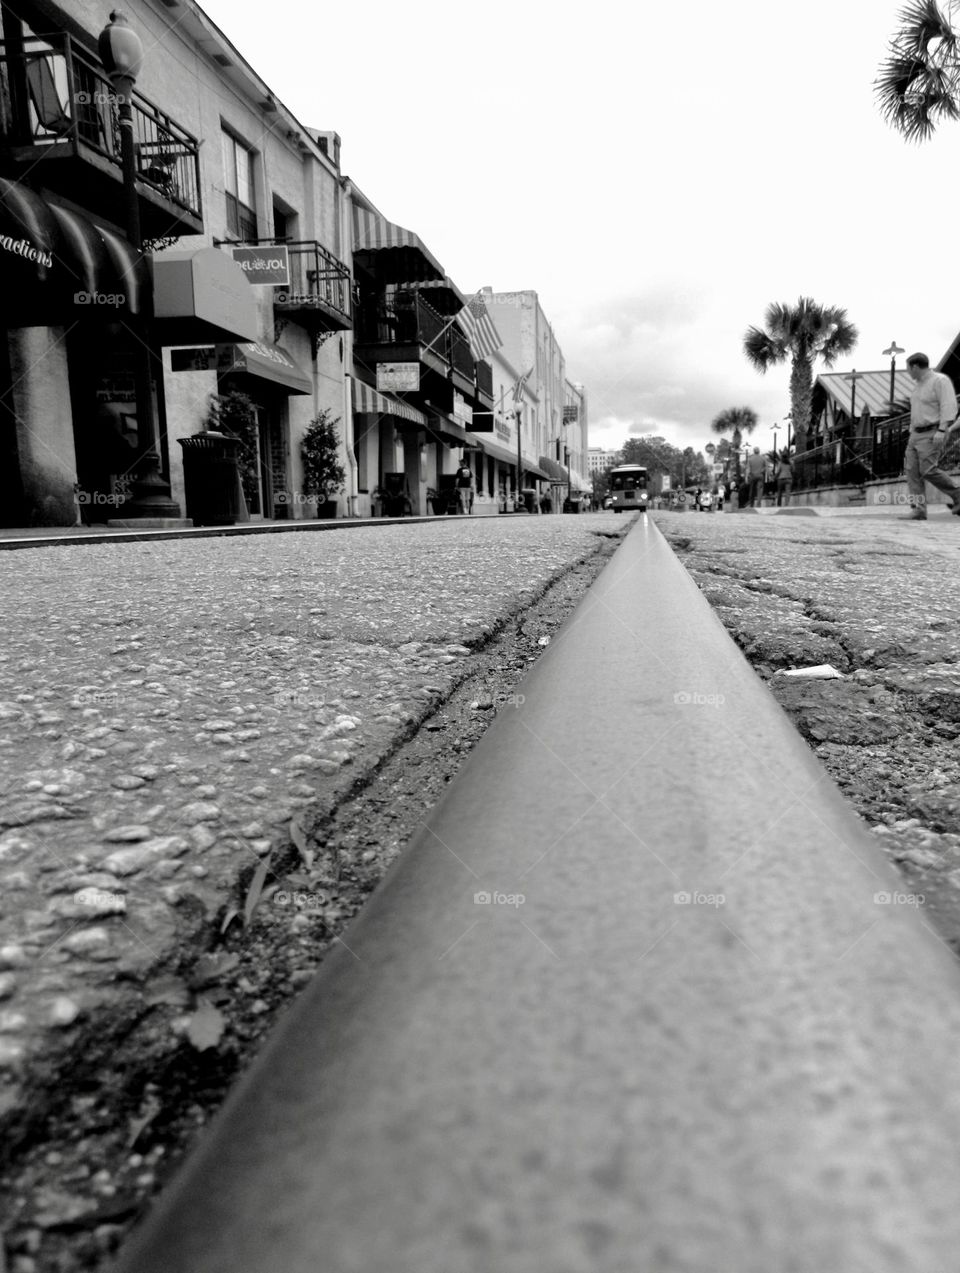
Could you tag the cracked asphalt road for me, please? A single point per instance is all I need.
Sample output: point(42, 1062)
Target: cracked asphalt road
point(879, 600)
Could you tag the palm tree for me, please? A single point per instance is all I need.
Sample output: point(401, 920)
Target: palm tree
point(801, 333)
point(736, 421)
point(919, 83)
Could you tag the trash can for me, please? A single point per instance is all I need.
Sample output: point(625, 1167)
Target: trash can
point(211, 478)
point(529, 498)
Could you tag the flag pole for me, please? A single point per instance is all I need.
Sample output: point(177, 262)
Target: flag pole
point(449, 323)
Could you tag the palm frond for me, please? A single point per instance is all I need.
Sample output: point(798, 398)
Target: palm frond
point(920, 23)
point(919, 82)
point(762, 349)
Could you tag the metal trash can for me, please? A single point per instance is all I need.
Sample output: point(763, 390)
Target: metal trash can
point(211, 478)
point(529, 498)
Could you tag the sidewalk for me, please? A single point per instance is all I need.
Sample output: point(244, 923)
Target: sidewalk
point(45, 536)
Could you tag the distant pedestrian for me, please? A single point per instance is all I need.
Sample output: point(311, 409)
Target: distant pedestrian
point(721, 496)
point(698, 508)
point(756, 475)
point(933, 412)
point(784, 479)
point(464, 483)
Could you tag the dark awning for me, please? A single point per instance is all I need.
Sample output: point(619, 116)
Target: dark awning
point(58, 266)
point(401, 254)
point(266, 362)
point(202, 296)
point(554, 470)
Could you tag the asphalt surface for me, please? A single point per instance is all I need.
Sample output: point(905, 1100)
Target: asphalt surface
point(167, 708)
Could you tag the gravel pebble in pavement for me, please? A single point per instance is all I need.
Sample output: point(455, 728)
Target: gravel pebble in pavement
point(167, 707)
point(879, 599)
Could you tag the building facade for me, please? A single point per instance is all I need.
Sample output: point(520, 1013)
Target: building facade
point(119, 352)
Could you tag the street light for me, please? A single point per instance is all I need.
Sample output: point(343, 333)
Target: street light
point(853, 378)
point(121, 53)
point(775, 429)
point(893, 351)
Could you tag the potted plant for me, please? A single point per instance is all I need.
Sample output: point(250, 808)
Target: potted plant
point(323, 474)
point(436, 500)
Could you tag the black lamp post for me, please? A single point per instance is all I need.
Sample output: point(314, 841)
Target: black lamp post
point(121, 53)
point(892, 352)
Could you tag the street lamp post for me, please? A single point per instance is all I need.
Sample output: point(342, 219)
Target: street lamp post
point(775, 429)
point(853, 378)
point(122, 55)
point(893, 350)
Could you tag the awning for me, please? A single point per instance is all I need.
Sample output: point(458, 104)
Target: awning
point(554, 470)
point(202, 296)
point(448, 429)
point(403, 253)
point(368, 401)
point(58, 266)
point(497, 450)
point(535, 470)
point(266, 362)
point(443, 294)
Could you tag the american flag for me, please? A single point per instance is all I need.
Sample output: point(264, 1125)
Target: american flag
point(478, 325)
point(518, 387)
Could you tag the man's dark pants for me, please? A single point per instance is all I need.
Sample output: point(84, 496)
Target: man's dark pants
point(921, 464)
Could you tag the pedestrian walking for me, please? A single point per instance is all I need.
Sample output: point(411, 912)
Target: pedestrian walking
point(756, 475)
point(784, 479)
point(933, 413)
point(464, 483)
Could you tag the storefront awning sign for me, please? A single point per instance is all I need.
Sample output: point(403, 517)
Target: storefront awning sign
point(265, 265)
point(266, 362)
point(202, 296)
point(398, 377)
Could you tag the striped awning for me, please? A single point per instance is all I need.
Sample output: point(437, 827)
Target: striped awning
point(413, 260)
point(368, 401)
point(442, 293)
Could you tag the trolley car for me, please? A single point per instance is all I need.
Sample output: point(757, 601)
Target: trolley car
point(628, 487)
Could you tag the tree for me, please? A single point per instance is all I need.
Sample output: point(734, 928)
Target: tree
point(736, 421)
point(800, 333)
point(323, 474)
point(919, 83)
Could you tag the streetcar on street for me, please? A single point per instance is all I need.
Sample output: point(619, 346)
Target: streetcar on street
point(628, 487)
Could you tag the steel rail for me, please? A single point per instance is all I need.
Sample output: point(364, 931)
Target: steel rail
point(605, 1078)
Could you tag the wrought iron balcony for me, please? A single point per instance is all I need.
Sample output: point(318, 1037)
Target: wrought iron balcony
point(58, 105)
point(415, 332)
point(318, 294)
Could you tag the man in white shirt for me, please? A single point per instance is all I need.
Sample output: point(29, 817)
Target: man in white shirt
point(933, 412)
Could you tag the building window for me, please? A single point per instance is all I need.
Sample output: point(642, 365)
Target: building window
point(238, 188)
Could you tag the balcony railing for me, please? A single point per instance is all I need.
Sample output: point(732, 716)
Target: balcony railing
point(856, 460)
point(319, 282)
point(416, 323)
point(56, 97)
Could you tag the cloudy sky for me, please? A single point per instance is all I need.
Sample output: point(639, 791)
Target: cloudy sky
point(658, 174)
